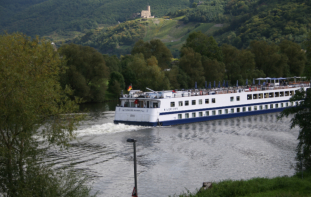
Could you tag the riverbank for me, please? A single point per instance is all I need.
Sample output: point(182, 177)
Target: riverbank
point(294, 186)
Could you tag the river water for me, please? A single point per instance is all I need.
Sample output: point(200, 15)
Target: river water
point(174, 159)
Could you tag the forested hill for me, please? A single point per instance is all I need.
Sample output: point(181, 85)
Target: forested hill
point(42, 17)
point(269, 20)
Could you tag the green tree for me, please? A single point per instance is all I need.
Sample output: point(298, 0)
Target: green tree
point(296, 57)
point(213, 70)
point(87, 72)
point(302, 119)
point(148, 73)
point(113, 63)
point(116, 83)
point(268, 59)
point(154, 48)
point(204, 45)
point(32, 115)
point(191, 64)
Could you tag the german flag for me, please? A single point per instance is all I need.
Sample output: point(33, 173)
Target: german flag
point(130, 87)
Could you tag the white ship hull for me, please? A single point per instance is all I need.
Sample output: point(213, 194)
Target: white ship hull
point(165, 108)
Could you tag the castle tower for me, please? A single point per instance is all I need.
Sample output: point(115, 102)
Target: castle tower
point(146, 13)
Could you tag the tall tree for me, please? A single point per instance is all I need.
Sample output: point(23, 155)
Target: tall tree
point(302, 119)
point(213, 70)
point(191, 64)
point(296, 57)
point(204, 45)
point(87, 72)
point(154, 48)
point(32, 107)
point(116, 83)
point(268, 59)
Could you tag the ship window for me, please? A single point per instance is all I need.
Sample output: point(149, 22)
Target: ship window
point(276, 105)
point(231, 98)
point(172, 104)
point(179, 116)
point(286, 93)
point(200, 114)
point(249, 97)
point(187, 115)
point(238, 98)
point(213, 100)
point(260, 96)
point(206, 101)
point(179, 103)
point(249, 108)
point(271, 94)
point(244, 109)
point(207, 113)
point(237, 110)
point(232, 110)
point(260, 107)
point(213, 112)
point(219, 112)
point(266, 95)
point(286, 104)
point(291, 93)
point(266, 106)
point(155, 105)
point(277, 94)
point(126, 104)
point(132, 104)
point(255, 96)
point(186, 103)
point(281, 94)
point(193, 102)
point(200, 101)
point(271, 106)
point(282, 104)
point(255, 108)
point(226, 111)
point(193, 115)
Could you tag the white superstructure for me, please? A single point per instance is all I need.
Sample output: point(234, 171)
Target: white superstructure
point(178, 107)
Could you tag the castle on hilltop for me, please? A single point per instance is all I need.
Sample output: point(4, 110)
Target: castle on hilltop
point(146, 13)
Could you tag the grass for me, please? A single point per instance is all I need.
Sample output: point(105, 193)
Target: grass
point(259, 187)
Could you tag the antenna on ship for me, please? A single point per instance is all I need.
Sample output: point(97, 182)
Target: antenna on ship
point(150, 89)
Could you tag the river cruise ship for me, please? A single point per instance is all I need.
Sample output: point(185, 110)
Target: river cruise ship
point(164, 108)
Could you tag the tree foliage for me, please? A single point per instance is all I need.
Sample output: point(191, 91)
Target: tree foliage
point(154, 48)
point(87, 72)
point(116, 83)
point(32, 108)
point(302, 119)
point(203, 44)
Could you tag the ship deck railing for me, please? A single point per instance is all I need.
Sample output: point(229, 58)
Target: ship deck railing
point(224, 90)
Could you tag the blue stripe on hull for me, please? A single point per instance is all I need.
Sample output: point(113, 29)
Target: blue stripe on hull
point(225, 107)
point(200, 119)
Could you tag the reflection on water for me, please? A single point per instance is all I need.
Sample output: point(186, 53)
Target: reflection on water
point(173, 158)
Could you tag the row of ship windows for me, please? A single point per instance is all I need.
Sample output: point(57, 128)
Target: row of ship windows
point(235, 110)
point(249, 97)
point(267, 95)
point(193, 102)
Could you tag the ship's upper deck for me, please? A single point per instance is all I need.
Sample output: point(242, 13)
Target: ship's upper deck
point(134, 94)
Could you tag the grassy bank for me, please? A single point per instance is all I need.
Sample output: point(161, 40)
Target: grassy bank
point(293, 186)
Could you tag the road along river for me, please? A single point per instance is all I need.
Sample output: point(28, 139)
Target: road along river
point(174, 159)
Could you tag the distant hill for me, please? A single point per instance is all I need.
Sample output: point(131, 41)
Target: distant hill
point(42, 17)
point(120, 38)
point(269, 20)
